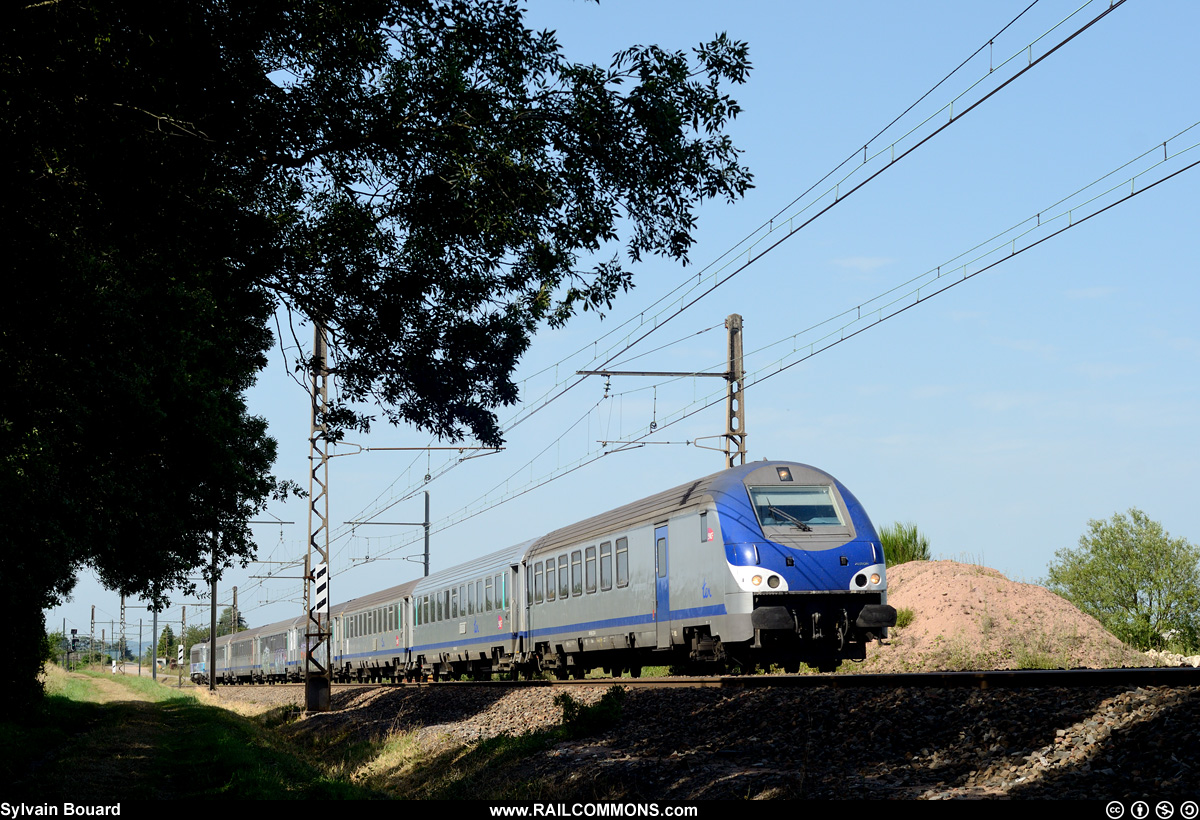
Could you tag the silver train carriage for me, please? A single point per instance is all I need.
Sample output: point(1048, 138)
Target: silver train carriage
point(766, 563)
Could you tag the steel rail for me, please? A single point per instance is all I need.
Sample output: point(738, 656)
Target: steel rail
point(990, 679)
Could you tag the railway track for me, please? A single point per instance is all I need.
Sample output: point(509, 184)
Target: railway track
point(992, 679)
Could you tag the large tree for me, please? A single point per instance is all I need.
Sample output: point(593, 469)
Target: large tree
point(1133, 577)
point(429, 180)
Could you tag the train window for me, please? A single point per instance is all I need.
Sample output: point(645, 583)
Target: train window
point(564, 582)
point(606, 566)
point(445, 604)
point(487, 594)
point(537, 582)
point(550, 579)
point(660, 558)
point(705, 533)
point(501, 593)
point(454, 603)
point(577, 572)
point(589, 569)
point(800, 508)
point(622, 562)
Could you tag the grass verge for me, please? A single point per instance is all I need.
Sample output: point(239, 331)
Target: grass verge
point(129, 738)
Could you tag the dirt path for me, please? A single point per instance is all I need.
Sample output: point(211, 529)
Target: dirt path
point(111, 749)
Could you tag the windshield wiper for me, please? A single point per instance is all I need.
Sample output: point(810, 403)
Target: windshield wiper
point(793, 519)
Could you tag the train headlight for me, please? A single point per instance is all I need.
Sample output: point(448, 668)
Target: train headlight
point(756, 580)
point(875, 579)
point(773, 581)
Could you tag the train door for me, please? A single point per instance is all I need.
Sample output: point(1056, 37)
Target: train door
point(662, 588)
point(524, 578)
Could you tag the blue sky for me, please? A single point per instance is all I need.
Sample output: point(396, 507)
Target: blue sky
point(1000, 416)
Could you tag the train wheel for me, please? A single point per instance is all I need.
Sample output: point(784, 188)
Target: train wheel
point(635, 671)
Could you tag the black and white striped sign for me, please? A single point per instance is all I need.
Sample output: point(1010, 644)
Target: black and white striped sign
point(320, 597)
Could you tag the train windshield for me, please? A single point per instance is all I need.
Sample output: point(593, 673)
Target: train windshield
point(800, 507)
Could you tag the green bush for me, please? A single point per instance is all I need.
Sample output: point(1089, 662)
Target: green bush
point(903, 543)
point(580, 720)
point(1135, 579)
point(904, 617)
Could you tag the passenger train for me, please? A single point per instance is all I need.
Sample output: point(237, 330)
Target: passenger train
point(767, 563)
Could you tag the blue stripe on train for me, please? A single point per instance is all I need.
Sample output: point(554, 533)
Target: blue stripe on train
point(607, 623)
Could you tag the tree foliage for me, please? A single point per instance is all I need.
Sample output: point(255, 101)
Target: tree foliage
point(429, 180)
point(167, 646)
point(902, 542)
point(1135, 579)
point(225, 622)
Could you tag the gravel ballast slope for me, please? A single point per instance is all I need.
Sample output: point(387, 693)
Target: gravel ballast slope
point(1050, 743)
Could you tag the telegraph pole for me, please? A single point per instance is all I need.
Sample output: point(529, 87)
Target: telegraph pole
point(212, 621)
point(735, 409)
point(182, 629)
point(424, 524)
point(154, 630)
point(735, 432)
point(318, 678)
point(121, 643)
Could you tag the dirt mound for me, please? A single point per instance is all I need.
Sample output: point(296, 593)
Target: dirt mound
point(971, 617)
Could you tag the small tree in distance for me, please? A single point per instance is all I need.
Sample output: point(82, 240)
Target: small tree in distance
point(1137, 581)
point(225, 622)
point(903, 543)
